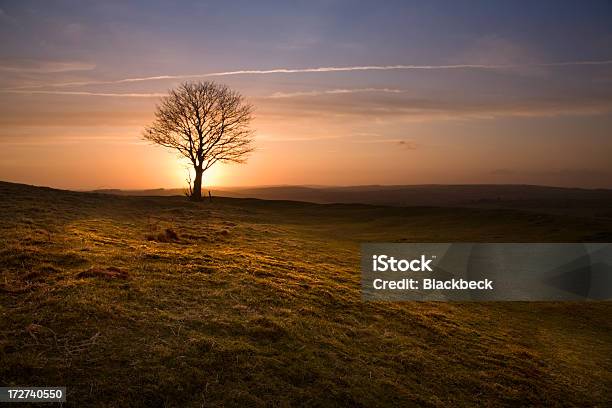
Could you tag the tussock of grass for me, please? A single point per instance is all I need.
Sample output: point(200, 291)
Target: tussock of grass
point(167, 236)
point(269, 312)
point(110, 272)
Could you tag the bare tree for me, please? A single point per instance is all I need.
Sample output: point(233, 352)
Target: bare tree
point(206, 123)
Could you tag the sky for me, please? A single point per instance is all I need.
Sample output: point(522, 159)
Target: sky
point(345, 92)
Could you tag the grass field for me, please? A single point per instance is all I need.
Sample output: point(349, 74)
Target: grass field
point(258, 303)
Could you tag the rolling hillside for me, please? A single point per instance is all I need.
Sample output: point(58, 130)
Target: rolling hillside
point(158, 301)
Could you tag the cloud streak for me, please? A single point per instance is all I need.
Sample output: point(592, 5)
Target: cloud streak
point(404, 106)
point(327, 70)
point(46, 67)
point(84, 93)
point(280, 95)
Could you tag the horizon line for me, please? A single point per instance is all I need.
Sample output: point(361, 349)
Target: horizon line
point(312, 186)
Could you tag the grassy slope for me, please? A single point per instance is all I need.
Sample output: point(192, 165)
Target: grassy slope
point(259, 302)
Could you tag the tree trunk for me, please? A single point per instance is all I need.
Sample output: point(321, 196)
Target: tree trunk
point(196, 192)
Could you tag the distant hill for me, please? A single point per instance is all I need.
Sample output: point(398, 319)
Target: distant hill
point(419, 195)
point(553, 199)
point(150, 192)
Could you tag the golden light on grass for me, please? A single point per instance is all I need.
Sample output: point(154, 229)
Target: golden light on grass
point(236, 302)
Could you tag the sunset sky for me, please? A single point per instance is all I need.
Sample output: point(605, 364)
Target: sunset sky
point(345, 92)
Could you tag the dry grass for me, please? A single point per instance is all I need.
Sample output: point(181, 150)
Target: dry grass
point(109, 272)
point(258, 303)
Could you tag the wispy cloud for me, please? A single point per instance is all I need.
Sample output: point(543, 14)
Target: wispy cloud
point(45, 67)
point(402, 143)
point(77, 93)
point(305, 138)
point(71, 140)
point(333, 92)
point(326, 70)
point(406, 106)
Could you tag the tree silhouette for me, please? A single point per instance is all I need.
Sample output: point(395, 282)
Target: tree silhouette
point(206, 123)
